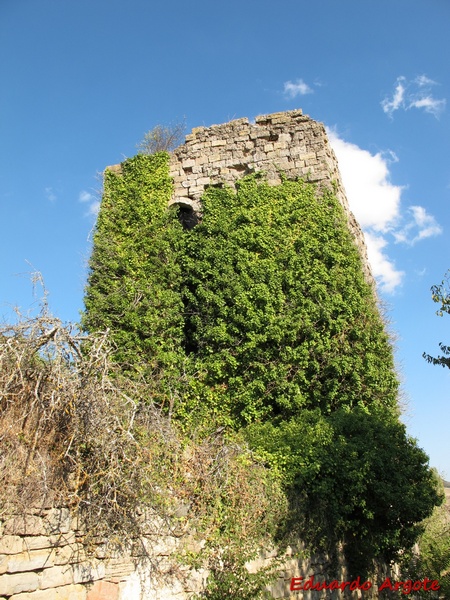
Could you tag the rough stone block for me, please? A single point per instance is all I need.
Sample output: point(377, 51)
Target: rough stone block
point(196, 131)
point(88, 571)
point(24, 525)
point(103, 590)
point(189, 162)
point(28, 561)
point(37, 595)
point(56, 577)
point(118, 568)
point(11, 544)
point(216, 143)
point(18, 582)
point(4, 563)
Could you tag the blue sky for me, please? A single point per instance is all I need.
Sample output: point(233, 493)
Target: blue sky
point(83, 80)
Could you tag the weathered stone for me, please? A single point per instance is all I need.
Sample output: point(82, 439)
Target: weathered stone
point(103, 590)
point(18, 582)
point(56, 577)
point(28, 561)
point(11, 544)
point(37, 595)
point(88, 571)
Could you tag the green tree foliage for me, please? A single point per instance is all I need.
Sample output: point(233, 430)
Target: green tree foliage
point(351, 476)
point(441, 295)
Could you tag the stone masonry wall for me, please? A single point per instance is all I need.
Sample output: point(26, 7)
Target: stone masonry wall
point(42, 557)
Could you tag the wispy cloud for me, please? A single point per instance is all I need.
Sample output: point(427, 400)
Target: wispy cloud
point(50, 194)
point(91, 200)
point(414, 93)
point(292, 89)
point(376, 204)
point(420, 226)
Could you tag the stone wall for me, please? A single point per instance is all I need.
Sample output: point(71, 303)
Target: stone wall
point(42, 557)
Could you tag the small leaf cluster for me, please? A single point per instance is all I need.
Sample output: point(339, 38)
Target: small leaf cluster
point(441, 295)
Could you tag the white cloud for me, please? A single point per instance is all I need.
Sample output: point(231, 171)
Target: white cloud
point(398, 98)
point(383, 268)
point(292, 89)
point(421, 226)
point(51, 196)
point(376, 204)
point(94, 208)
point(416, 93)
point(430, 104)
point(85, 196)
point(94, 204)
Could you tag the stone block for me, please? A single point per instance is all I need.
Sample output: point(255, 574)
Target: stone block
point(56, 576)
point(71, 592)
point(188, 162)
point(285, 138)
point(88, 571)
point(37, 595)
point(103, 590)
point(119, 568)
point(4, 563)
point(216, 143)
point(24, 525)
point(11, 544)
point(18, 582)
point(28, 561)
point(69, 554)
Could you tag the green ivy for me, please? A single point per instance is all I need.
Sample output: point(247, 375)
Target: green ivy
point(260, 320)
point(279, 317)
point(134, 280)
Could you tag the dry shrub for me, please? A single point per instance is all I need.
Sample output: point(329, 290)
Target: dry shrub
point(69, 427)
point(74, 431)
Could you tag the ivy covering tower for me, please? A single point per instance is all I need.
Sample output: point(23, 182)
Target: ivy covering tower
point(260, 320)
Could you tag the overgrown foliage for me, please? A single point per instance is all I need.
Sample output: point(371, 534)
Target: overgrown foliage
point(279, 318)
point(259, 321)
point(441, 295)
point(134, 280)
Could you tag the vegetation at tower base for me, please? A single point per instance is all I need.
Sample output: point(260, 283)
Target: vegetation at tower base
point(259, 322)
